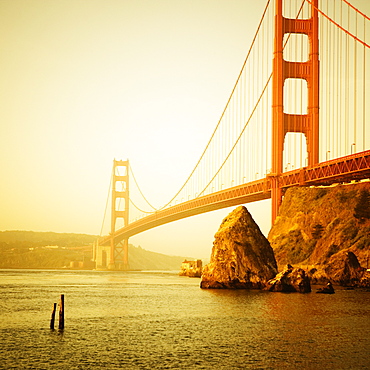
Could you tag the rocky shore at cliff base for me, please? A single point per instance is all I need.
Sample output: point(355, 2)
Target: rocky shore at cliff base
point(321, 235)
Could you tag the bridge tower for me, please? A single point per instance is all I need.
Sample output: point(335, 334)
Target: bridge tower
point(308, 124)
point(118, 256)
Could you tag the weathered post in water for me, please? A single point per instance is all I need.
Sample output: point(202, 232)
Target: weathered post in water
point(61, 312)
point(52, 320)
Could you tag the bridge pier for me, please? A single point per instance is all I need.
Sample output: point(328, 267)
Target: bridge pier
point(103, 256)
point(276, 197)
point(119, 252)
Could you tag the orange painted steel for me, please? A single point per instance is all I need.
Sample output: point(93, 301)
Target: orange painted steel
point(308, 124)
point(119, 252)
point(340, 170)
point(250, 192)
point(345, 169)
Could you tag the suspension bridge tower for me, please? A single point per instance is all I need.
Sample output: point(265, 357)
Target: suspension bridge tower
point(307, 123)
point(113, 255)
point(118, 256)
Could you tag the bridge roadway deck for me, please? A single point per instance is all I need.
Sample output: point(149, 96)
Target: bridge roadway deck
point(340, 170)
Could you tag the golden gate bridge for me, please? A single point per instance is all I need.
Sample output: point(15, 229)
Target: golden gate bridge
point(296, 116)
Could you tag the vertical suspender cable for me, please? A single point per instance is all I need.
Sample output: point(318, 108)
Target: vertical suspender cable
point(106, 205)
point(332, 87)
point(327, 90)
point(335, 71)
point(262, 116)
point(347, 88)
point(363, 93)
point(340, 109)
point(355, 91)
point(257, 124)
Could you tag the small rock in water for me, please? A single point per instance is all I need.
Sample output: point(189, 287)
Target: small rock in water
point(328, 289)
point(290, 280)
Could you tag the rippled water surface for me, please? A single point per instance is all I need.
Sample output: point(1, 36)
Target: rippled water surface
point(152, 320)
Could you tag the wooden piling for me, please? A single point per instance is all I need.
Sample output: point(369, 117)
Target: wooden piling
point(61, 312)
point(52, 320)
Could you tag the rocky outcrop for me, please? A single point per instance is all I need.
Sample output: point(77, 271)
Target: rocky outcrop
point(342, 268)
point(365, 280)
point(290, 280)
point(315, 224)
point(242, 257)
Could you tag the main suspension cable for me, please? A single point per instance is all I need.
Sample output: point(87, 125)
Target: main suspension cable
point(138, 187)
point(139, 209)
point(338, 25)
point(106, 205)
point(354, 8)
point(224, 111)
point(249, 119)
point(239, 137)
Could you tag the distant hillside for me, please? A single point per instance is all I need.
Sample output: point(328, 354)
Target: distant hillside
point(29, 249)
point(28, 239)
point(141, 259)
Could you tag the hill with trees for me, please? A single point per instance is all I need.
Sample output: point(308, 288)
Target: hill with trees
point(49, 250)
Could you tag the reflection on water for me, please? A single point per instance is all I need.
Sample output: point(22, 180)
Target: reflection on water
point(160, 320)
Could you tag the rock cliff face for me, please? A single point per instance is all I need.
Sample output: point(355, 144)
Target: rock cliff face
point(242, 257)
point(342, 268)
point(315, 223)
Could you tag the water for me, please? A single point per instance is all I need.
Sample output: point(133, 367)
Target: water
point(152, 320)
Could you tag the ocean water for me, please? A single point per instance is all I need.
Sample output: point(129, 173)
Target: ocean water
point(158, 320)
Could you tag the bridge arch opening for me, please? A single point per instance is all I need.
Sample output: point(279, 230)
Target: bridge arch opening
point(295, 9)
point(120, 204)
point(119, 223)
point(295, 153)
point(121, 186)
point(296, 47)
point(295, 96)
point(121, 170)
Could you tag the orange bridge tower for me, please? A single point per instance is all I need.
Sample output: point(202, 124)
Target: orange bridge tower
point(308, 124)
point(118, 256)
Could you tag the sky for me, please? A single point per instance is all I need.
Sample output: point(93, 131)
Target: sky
point(85, 81)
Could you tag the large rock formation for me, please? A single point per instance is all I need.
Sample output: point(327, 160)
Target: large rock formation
point(290, 280)
point(315, 223)
point(342, 268)
point(242, 257)
point(365, 280)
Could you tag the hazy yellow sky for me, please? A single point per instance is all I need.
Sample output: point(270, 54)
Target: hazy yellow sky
point(85, 81)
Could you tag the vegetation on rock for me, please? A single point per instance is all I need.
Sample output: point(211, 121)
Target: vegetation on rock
point(315, 224)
